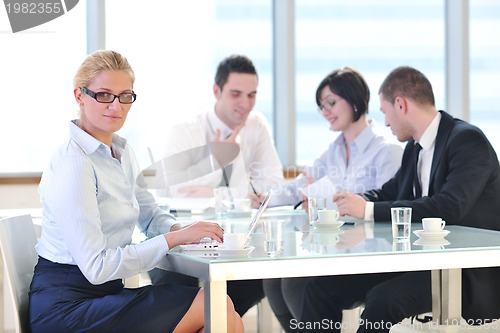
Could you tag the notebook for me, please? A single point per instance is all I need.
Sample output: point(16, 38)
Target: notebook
point(209, 244)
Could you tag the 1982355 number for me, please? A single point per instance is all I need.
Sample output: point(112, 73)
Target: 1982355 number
point(34, 8)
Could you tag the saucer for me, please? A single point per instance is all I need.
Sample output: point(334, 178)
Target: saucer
point(223, 252)
point(329, 225)
point(431, 243)
point(436, 235)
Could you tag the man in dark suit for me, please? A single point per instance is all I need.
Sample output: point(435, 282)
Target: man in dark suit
point(455, 176)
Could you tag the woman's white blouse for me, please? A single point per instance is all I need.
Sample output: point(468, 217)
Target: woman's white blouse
point(373, 161)
point(91, 203)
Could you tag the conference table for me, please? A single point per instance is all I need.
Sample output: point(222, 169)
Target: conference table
point(355, 248)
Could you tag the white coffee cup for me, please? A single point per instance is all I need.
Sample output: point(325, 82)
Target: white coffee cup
point(327, 216)
point(433, 224)
point(234, 241)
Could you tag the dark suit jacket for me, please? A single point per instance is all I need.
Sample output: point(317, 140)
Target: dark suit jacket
point(464, 189)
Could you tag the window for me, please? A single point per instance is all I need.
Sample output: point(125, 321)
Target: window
point(37, 69)
point(485, 67)
point(175, 65)
point(372, 36)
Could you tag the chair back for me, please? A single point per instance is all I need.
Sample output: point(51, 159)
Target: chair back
point(17, 243)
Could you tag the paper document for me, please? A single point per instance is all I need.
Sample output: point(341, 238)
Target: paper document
point(322, 188)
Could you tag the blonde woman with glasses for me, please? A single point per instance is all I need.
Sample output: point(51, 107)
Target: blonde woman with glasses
point(91, 202)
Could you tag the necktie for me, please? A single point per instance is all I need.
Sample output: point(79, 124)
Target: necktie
point(416, 181)
point(226, 170)
point(226, 174)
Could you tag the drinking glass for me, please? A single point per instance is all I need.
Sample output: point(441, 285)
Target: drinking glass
point(273, 237)
point(401, 223)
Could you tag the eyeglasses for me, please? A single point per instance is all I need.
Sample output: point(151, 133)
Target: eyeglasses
point(105, 97)
point(328, 106)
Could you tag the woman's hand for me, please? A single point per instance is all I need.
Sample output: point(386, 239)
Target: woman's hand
point(310, 178)
point(194, 232)
point(256, 199)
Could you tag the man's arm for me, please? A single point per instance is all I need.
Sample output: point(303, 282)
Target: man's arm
point(458, 177)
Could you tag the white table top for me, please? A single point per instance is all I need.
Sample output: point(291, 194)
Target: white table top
point(311, 252)
point(308, 253)
point(355, 248)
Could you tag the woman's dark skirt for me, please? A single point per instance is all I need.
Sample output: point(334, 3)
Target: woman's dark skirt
point(63, 300)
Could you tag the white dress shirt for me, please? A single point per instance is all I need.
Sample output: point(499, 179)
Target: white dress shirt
point(91, 202)
point(428, 143)
point(258, 158)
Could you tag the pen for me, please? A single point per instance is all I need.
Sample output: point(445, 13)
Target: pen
point(253, 187)
point(298, 204)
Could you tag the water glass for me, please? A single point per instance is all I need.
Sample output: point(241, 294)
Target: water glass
point(400, 246)
point(222, 200)
point(273, 237)
point(401, 223)
point(313, 206)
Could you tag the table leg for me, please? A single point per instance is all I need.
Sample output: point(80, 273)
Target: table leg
point(436, 284)
point(215, 307)
point(451, 296)
point(447, 296)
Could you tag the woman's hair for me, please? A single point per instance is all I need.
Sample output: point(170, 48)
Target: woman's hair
point(349, 84)
point(407, 82)
point(100, 61)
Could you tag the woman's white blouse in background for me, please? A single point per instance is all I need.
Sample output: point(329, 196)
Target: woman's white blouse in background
point(373, 161)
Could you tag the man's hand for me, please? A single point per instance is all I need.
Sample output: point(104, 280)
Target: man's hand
point(350, 204)
point(233, 138)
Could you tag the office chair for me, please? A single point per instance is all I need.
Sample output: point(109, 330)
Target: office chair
point(17, 243)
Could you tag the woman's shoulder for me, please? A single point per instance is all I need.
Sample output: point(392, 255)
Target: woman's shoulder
point(384, 146)
point(68, 154)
